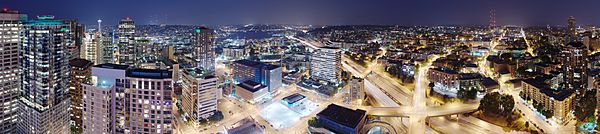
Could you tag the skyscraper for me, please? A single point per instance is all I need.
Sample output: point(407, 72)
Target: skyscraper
point(11, 23)
point(77, 35)
point(148, 103)
point(101, 101)
point(44, 61)
point(574, 65)
point(107, 47)
point(91, 49)
point(571, 27)
point(325, 64)
point(80, 74)
point(120, 99)
point(204, 53)
point(126, 42)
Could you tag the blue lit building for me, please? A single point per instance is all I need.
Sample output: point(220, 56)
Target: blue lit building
point(293, 100)
point(342, 120)
point(265, 74)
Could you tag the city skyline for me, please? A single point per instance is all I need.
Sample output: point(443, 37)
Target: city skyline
point(335, 12)
point(331, 67)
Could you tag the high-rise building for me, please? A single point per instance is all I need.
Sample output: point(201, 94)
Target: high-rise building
point(98, 97)
point(80, 74)
point(77, 37)
point(326, 64)
point(91, 49)
point(199, 94)
point(11, 23)
point(126, 42)
point(120, 99)
point(148, 102)
point(168, 52)
point(262, 73)
point(574, 65)
point(107, 48)
point(204, 45)
point(571, 27)
point(44, 61)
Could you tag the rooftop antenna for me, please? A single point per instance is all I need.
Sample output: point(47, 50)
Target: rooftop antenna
point(492, 18)
point(99, 26)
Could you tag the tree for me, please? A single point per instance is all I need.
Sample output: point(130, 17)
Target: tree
point(465, 94)
point(496, 104)
point(597, 122)
point(218, 116)
point(313, 122)
point(508, 104)
point(586, 106)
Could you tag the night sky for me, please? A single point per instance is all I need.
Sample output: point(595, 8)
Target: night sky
point(319, 12)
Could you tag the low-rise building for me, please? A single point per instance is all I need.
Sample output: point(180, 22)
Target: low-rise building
point(557, 101)
point(265, 74)
point(356, 94)
point(251, 91)
point(293, 100)
point(342, 120)
point(246, 126)
point(444, 76)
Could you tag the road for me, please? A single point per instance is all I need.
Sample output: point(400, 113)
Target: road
point(389, 93)
point(529, 114)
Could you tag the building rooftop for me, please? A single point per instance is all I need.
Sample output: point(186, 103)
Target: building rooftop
point(80, 63)
point(256, 64)
point(246, 126)
point(198, 73)
point(293, 98)
point(467, 76)
point(489, 83)
point(251, 86)
point(167, 61)
point(576, 44)
point(46, 20)
point(445, 70)
point(112, 66)
point(149, 73)
point(347, 117)
point(557, 94)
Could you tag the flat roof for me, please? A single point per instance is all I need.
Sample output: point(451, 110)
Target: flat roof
point(112, 66)
point(246, 126)
point(466, 76)
point(347, 117)
point(149, 73)
point(576, 44)
point(251, 85)
point(256, 64)
point(199, 73)
point(80, 63)
point(446, 70)
point(558, 94)
point(293, 98)
point(489, 82)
